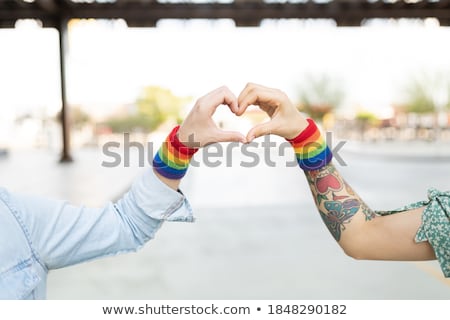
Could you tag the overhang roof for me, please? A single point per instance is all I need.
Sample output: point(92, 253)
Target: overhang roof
point(243, 12)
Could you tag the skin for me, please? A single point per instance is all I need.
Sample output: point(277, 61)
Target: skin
point(199, 129)
point(360, 232)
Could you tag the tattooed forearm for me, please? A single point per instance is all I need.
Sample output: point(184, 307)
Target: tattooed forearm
point(335, 199)
point(368, 213)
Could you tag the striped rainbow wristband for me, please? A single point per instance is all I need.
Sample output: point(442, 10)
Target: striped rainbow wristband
point(310, 148)
point(173, 157)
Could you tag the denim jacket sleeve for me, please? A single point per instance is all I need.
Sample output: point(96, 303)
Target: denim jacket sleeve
point(63, 234)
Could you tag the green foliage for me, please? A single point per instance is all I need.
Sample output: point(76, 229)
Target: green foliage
point(155, 105)
point(320, 95)
point(127, 124)
point(367, 117)
point(428, 93)
point(420, 99)
point(447, 105)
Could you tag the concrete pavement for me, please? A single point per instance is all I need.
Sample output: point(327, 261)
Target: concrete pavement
point(257, 235)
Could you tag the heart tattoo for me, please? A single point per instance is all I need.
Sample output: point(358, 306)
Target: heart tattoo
point(328, 183)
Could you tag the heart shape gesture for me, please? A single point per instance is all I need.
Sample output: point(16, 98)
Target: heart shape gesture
point(199, 129)
point(285, 120)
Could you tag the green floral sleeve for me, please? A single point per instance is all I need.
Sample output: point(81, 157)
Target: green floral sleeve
point(435, 227)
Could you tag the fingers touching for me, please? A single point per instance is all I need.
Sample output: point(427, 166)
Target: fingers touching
point(229, 136)
point(285, 119)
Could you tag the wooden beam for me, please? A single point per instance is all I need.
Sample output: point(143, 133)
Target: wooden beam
point(48, 5)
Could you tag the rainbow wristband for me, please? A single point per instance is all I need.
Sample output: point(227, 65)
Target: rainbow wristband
point(310, 148)
point(172, 159)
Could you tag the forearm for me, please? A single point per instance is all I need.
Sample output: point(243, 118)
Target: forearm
point(360, 232)
point(171, 183)
point(63, 234)
point(171, 161)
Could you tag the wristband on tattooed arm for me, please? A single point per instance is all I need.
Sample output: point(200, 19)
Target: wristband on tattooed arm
point(173, 157)
point(310, 148)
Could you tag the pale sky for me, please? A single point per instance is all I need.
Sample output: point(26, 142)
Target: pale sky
point(108, 63)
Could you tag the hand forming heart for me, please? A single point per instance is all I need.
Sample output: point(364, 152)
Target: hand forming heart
point(199, 129)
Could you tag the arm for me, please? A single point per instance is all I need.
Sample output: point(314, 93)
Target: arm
point(61, 234)
point(199, 129)
point(360, 232)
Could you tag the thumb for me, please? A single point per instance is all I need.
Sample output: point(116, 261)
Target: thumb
point(229, 136)
point(259, 130)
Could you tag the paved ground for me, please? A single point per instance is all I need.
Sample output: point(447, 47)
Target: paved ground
point(257, 234)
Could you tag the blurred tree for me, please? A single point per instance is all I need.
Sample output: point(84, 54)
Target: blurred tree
point(319, 96)
point(79, 117)
point(427, 93)
point(367, 117)
point(155, 105)
point(448, 96)
point(127, 124)
point(420, 99)
point(364, 121)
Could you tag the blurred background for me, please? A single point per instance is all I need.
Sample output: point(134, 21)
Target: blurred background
point(75, 75)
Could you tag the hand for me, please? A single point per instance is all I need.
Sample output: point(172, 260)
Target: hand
point(285, 120)
point(199, 129)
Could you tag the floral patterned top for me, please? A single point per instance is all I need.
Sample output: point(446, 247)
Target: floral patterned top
point(435, 227)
